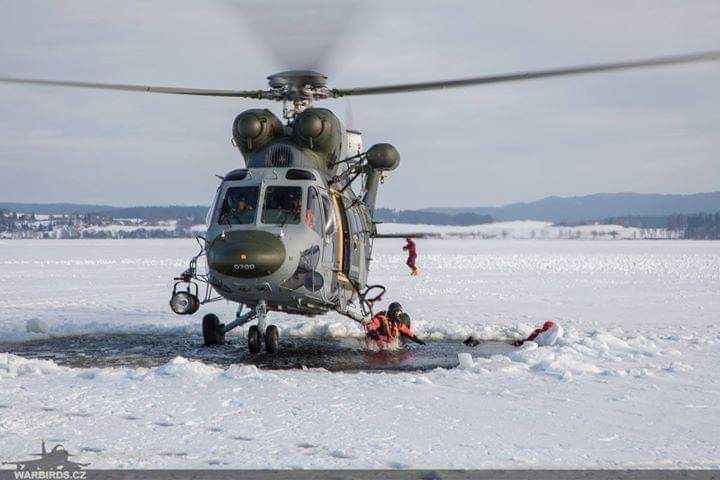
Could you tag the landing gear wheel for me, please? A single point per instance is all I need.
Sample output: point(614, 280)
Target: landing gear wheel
point(254, 343)
point(212, 330)
point(272, 339)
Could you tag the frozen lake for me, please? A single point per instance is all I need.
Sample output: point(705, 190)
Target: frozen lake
point(632, 383)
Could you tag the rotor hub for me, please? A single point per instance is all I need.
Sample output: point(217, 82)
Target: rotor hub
point(298, 87)
point(297, 78)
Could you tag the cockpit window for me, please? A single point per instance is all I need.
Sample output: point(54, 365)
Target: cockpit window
point(282, 205)
point(239, 206)
point(313, 215)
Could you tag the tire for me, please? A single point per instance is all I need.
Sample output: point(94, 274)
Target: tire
point(272, 339)
point(254, 343)
point(212, 330)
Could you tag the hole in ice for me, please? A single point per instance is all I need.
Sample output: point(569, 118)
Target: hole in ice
point(333, 354)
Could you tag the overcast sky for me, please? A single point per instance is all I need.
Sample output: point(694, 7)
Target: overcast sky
point(656, 130)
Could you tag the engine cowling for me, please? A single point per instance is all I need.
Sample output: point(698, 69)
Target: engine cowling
point(319, 130)
point(253, 129)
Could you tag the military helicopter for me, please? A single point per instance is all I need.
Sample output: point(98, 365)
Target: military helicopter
point(293, 231)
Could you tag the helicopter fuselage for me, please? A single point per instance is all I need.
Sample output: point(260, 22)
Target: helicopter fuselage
point(297, 257)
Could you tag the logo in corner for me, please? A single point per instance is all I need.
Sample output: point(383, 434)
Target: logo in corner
point(56, 459)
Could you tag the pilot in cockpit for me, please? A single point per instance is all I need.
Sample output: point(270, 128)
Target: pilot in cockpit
point(238, 211)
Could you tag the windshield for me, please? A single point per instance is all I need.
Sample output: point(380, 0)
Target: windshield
point(282, 205)
point(239, 206)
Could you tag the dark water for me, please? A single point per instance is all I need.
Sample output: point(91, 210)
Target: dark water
point(149, 350)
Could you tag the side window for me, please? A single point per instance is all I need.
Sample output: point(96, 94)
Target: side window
point(213, 206)
point(329, 215)
point(313, 215)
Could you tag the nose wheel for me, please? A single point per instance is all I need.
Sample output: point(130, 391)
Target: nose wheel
point(214, 331)
point(254, 340)
point(272, 339)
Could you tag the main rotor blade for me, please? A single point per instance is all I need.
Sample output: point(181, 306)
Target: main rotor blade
point(515, 77)
point(137, 88)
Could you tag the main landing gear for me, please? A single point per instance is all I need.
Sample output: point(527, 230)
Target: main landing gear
point(214, 331)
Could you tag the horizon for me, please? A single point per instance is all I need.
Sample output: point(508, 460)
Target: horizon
point(93, 204)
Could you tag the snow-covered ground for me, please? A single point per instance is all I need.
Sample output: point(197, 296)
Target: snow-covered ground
point(633, 382)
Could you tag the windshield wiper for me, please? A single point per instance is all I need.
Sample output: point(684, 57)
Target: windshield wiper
point(286, 217)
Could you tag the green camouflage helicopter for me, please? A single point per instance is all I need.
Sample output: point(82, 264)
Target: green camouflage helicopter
point(293, 231)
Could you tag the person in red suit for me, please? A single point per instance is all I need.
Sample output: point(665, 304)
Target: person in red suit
point(412, 256)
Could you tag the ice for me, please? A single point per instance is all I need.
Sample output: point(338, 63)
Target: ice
point(465, 360)
point(631, 382)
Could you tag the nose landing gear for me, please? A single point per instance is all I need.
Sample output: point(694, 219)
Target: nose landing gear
point(254, 340)
point(214, 331)
point(272, 339)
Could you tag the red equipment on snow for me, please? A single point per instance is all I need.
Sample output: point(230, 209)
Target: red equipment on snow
point(546, 326)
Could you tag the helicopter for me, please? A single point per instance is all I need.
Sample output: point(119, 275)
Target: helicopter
point(293, 231)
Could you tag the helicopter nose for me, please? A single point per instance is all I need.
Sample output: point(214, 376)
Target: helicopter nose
point(246, 254)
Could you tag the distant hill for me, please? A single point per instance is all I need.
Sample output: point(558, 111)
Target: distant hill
point(422, 217)
point(624, 207)
point(152, 214)
point(598, 206)
point(53, 208)
point(195, 213)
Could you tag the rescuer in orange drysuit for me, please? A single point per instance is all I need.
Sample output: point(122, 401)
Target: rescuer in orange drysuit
point(388, 326)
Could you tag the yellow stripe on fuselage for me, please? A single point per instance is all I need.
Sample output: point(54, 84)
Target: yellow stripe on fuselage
point(341, 235)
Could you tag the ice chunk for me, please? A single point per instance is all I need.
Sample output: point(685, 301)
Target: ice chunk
point(466, 361)
point(549, 336)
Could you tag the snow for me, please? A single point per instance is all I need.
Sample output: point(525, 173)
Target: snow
point(631, 382)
